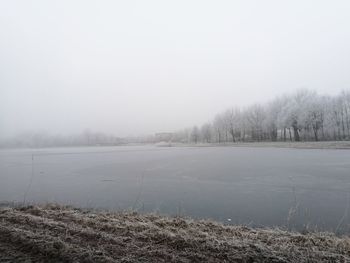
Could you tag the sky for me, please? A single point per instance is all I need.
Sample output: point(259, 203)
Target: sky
point(138, 67)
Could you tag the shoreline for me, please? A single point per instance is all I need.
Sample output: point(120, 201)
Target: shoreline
point(324, 145)
point(59, 233)
point(336, 145)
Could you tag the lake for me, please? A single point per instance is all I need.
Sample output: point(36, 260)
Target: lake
point(292, 188)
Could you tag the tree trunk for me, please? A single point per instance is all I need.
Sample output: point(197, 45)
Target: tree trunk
point(296, 134)
point(315, 133)
point(342, 124)
point(233, 136)
point(290, 134)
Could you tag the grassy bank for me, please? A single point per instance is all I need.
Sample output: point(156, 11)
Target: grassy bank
point(61, 234)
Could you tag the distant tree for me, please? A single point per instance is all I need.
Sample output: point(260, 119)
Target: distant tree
point(274, 118)
point(195, 135)
point(303, 115)
point(313, 116)
point(256, 116)
point(206, 132)
point(232, 120)
point(219, 128)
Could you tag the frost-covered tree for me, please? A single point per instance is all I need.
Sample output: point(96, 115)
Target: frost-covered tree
point(206, 132)
point(303, 115)
point(256, 117)
point(274, 117)
point(195, 135)
point(313, 116)
point(219, 128)
point(232, 121)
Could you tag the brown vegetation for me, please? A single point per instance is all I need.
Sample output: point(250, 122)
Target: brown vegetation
point(62, 234)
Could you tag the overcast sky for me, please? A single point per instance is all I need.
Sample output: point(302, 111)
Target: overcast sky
point(138, 67)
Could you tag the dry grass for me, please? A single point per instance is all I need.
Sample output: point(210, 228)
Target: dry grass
point(55, 233)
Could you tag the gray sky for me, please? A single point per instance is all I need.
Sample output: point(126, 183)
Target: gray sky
point(136, 67)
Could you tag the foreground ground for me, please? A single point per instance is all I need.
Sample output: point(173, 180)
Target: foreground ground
point(61, 234)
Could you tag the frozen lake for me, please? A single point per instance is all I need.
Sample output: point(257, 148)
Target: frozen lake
point(256, 186)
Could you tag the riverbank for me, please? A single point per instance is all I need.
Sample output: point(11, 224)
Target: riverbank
point(61, 234)
point(297, 145)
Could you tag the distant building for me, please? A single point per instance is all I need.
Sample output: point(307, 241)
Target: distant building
point(163, 136)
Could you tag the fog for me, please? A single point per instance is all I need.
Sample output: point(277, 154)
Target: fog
point(140, 67)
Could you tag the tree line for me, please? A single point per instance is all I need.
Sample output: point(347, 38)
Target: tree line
point(302, 116)
point(43, 139)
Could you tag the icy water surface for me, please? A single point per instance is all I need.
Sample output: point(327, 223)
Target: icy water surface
point(293, 188)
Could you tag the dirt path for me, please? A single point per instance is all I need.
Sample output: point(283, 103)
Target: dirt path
point(60, 234)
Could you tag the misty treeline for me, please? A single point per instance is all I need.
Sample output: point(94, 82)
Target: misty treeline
point(302, 116)
point(43, 139)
